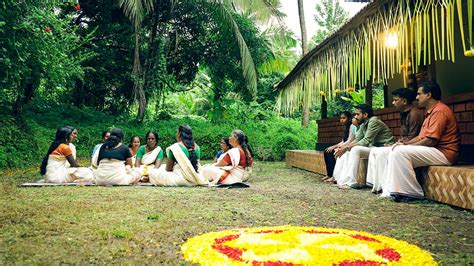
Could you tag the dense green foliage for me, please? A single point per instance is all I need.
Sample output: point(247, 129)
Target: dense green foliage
point(40, 51)
point(25, 142)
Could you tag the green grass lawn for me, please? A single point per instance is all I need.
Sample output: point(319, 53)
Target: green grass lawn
point(147, 225)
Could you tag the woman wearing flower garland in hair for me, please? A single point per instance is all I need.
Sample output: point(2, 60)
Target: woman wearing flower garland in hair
point(114, 162)
point(149, 156)
point(182, 166)
point(59, 164)
point(133, 146)
point(235, 165)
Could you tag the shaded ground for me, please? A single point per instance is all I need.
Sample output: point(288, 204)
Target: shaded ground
point(138, 225)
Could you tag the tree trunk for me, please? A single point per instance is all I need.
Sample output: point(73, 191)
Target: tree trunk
point(304, 48)
point(139, 79)
point(29, 88)
point(304, 41)
point(217, 105)
point(305, 114)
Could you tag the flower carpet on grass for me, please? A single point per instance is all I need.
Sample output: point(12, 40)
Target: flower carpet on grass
point(292, 245)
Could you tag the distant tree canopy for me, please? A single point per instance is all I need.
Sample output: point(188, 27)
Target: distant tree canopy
point(329, 16)
point(39, 50)
point(93, 54)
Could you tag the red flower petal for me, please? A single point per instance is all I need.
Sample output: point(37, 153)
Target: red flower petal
point(77, 7)
point(47, 30)
point(233, 253)
point(389, 254)
point(366, 238)
point(270, 231)
point(319, 232)
point(359, 263)
point(226, 238)
point(271, 263)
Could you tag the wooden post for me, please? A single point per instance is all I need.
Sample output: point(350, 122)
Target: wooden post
point(368, 92)
point(324, 107)
point(385, 96)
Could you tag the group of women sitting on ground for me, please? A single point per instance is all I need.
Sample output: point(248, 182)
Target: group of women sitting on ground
point(113, 163)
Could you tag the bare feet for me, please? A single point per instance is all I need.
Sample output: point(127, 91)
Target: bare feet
point(326, 178)
point(330, 180)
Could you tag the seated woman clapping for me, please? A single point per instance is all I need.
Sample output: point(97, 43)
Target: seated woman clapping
point(149, 156)
point(114, 162)
point(182, 166)
point(59, 164)
point(235, 165)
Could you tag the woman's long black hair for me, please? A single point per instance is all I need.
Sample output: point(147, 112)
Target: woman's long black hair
point(130, 145)
point(186, 134)
point(347, 126)
point(244, 143)
point(227, 143)
point(62, 136)
point(71, 128)
point(116, 136)
point(154, 134)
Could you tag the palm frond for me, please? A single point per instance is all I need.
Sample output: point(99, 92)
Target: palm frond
point(248, 66)
point(136, 10)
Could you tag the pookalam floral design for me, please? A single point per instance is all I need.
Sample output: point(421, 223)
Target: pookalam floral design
point(292, 245)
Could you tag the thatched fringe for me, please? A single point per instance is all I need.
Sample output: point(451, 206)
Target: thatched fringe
point(409, 33)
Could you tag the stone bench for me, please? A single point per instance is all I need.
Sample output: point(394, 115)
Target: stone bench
point(453, 185)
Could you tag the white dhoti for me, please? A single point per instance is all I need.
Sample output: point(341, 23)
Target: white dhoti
point(350, 169)
point(401, 177)
point(377, 167)
point(339, 166)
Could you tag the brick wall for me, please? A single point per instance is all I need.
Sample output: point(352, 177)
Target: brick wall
point(330, 131)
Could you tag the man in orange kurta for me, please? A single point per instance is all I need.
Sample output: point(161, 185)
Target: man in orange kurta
point(437, 144)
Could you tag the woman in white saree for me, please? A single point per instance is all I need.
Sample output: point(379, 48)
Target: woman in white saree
point(182, 167)
point(59, 164)
point(134, 145)
point(114, 162)
point(225, 146)
point(235, 165)
point(149, 157)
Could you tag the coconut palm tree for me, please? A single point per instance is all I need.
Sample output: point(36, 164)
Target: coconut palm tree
point(304, 47)
point(136, 11)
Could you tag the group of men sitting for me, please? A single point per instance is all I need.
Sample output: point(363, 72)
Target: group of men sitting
point(428, 137)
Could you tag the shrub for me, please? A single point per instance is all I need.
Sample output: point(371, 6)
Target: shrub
point(24, 143)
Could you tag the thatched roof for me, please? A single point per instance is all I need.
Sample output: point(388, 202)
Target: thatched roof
point(351, 24)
